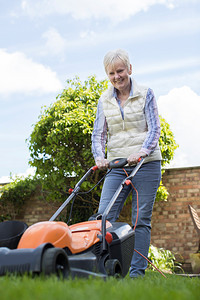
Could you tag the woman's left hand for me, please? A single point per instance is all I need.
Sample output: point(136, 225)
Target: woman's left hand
point(133, 158)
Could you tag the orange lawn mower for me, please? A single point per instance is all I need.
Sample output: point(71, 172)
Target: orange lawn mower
point(96, 248)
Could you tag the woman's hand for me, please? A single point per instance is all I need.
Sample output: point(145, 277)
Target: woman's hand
point(102, 163)
point(133, 158)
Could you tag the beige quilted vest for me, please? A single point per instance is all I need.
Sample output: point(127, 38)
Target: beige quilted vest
point(126, 136)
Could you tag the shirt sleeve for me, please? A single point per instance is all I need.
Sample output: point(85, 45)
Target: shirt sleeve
point(153, 123)
point(99, 134)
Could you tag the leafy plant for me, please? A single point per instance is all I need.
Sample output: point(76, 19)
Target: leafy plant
point(167, 143)
point(168, 146)
point(163, 259)
point(60, 144)
point(14, 195)
point(162, 193)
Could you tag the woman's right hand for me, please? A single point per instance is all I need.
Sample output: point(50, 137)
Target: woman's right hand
point(102, 163)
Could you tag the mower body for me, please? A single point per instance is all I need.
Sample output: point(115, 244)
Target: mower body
point(97, 247)
point(55, 248)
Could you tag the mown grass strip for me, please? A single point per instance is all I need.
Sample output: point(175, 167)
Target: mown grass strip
point(152, 286)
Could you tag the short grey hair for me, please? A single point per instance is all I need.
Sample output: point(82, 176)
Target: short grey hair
point(111, 57)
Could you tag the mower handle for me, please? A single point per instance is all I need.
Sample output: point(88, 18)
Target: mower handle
point(115, 196)
point(118, 163)
point(73, 192)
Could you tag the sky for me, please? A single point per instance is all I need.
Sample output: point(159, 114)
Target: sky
point(45, 42)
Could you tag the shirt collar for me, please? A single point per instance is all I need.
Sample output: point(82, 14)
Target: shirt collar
point(131, 91)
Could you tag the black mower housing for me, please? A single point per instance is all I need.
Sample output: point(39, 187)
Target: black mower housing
point(94, 262)
point(106, 257)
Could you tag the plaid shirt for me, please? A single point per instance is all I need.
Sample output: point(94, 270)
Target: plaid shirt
point(99, 135)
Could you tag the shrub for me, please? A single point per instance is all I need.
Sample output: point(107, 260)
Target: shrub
point(14, 195)
point(163, 259)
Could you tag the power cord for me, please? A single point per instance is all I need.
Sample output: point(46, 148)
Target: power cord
point(136, 225)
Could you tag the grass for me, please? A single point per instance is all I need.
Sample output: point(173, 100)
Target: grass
point(152, 286)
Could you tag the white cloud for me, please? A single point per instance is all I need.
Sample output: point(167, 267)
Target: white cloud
point(8, 179)
point(55, 43)
point(148, 31)
point(19, 74)
point(162, 66)
point(181, 109)
point(162, 84)
point(5, 179)
point(88, 34)
point(83, 9)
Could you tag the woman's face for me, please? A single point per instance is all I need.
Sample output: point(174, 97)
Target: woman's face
point(119, 75)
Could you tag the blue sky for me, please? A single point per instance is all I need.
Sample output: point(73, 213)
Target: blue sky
point(43, 43)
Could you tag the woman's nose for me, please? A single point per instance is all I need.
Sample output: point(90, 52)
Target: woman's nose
point(117, 76)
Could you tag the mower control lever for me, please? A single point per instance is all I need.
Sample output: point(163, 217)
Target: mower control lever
point(117, 163)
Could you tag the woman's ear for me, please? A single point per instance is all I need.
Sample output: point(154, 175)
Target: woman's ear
point(130, 70)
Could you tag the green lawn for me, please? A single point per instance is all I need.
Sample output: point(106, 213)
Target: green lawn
point(152, 286)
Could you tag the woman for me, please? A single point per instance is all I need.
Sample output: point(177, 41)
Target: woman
point(127, 121)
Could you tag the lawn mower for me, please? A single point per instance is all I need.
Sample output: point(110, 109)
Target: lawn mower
point(96, 247)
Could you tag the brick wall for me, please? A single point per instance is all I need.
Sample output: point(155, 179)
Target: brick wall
point(37, 210)
point(172, 226)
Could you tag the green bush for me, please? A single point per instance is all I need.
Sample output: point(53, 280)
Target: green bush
point(14, 195)
point(167, 143)
point(60, 144)
point(163, 259)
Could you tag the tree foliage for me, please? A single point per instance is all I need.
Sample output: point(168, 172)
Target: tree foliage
point(168, 146)
point(14, 195)
point(167, 142)
point(61, 139)
point(60, 144)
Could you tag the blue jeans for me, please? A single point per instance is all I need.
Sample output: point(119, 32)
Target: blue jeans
point(146, 181)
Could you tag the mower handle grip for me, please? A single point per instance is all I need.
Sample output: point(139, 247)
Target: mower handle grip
point(118, 163)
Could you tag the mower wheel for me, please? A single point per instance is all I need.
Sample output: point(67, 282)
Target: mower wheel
point(55, 261)
point(113, 268)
